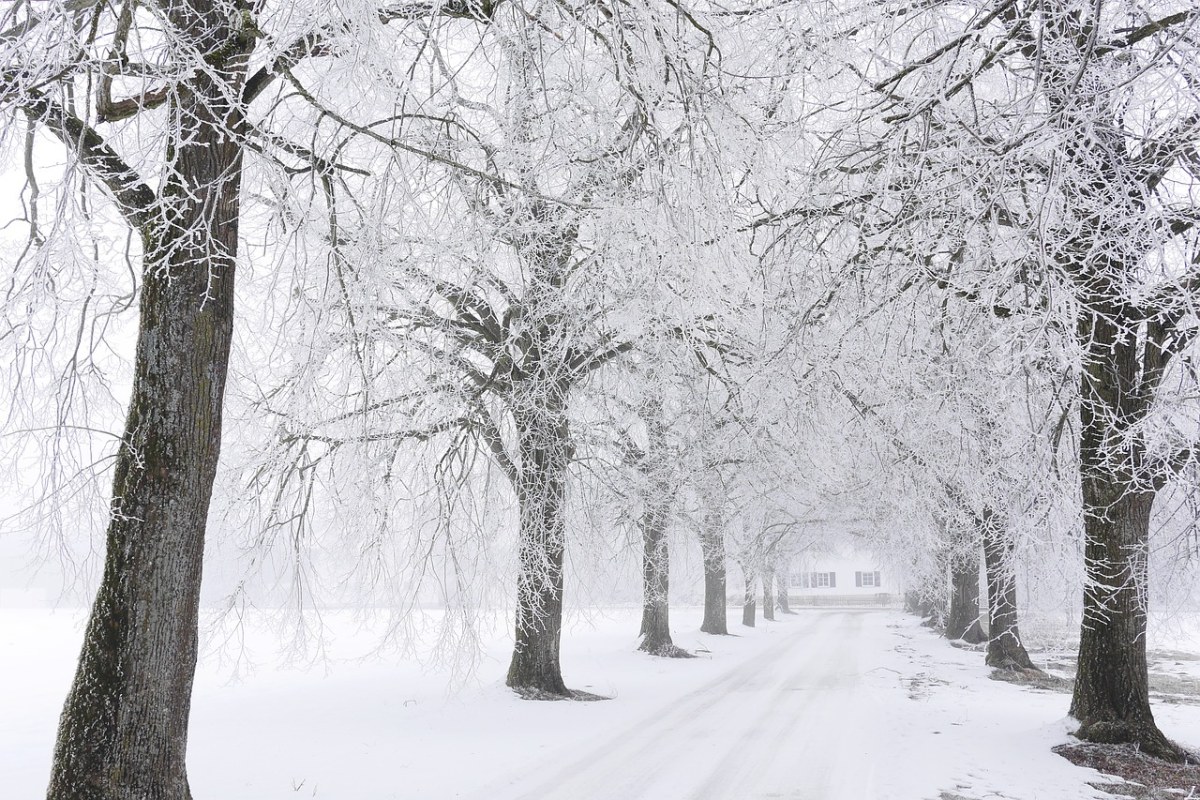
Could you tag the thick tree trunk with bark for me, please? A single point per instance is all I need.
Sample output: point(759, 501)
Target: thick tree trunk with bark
point(748, 599)
point(1004, 649)
point(656, 568)
point(543, 380)
point(963, 620)
point(712, 548)
point(785, 605)
point(1112, 695)
point(768, 581)
point(123, 730)
point(656, 557)
point(1127, 344)
point(544, 440)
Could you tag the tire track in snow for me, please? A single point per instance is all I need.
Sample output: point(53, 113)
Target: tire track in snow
point(773, 727)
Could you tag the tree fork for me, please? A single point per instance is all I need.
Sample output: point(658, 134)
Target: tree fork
point(123, 729)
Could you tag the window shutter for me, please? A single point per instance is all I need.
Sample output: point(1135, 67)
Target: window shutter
point(858, 579)
point(833, 580)
point(877, 583)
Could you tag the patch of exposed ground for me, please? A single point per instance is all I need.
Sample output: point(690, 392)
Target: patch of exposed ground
point(669, 651)
point(1169, 679)
point(1179, 689)
point(539, 694)
point(1033, 678)
point(1145, 778)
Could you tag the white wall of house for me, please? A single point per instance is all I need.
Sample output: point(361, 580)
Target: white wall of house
point(844, 571)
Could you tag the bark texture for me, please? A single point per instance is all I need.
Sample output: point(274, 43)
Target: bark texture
point(656, 570)
point(1120, 373)
point(1102, 247)
point(749, 602)
point(785, 605)
point(123, 730)
point(963, 619)
point(712, 547)
point(1111, 699)
point(768, 581)
point(542, 381)
point(1004, 649)
point(544, 441)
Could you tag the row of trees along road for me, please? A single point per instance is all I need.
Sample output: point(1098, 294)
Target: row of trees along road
point(1056, 142)
point(466, 219)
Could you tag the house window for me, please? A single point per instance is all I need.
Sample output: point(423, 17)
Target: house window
point(823, 580)
point(866, 579)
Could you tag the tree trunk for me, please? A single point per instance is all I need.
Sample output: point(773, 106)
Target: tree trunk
point(656, 629)
point(544, 445)
point(785, 605)
point(123, 729)
point(933, 611)
point(963, 619)
point(1111, 699)
point(912, 602)
point(712, 548)
point(1004, 649)
point(748, 602)
point(542, 382)
point(768, 586)
point(1126, 350)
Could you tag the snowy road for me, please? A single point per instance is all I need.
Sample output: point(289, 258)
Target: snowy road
point(824, 705)
point(796, 721)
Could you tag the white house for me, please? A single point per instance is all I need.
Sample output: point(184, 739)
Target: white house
point(842, 575)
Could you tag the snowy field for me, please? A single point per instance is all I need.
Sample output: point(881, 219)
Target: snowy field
point(826, 704)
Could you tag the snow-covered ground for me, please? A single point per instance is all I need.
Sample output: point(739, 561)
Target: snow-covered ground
point(828, 704)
